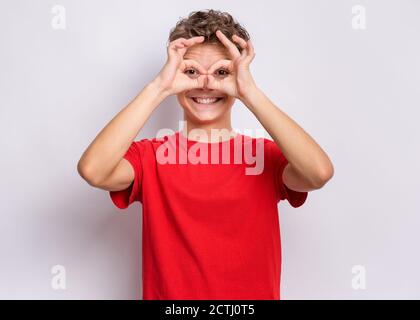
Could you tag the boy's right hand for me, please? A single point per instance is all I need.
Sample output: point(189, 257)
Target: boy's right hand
point(178, 74)
point(103, 164)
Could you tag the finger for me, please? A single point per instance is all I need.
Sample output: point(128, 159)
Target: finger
point(178, 46)
point(224, 63)
point(186, 43)
point(242, 44)
point(251, 52)
point(182, 43)
point(233, 50)
point(176, 42)
point(174, 46)
point(194, 40)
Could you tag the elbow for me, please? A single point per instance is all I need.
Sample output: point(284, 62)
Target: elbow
point(323, 175)
point(87, 171)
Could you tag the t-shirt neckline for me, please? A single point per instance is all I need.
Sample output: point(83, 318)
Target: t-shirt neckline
point(180, 135)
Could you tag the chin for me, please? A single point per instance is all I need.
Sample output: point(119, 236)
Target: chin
point(205, 107)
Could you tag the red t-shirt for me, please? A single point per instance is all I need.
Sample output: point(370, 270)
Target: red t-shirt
point(210, 231)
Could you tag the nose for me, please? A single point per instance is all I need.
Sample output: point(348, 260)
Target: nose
point(206, 80)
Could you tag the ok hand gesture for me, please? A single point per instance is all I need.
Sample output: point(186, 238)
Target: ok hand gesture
point(233, 76)
point(172, 79)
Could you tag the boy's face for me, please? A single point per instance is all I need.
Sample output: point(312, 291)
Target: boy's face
point(218, 104)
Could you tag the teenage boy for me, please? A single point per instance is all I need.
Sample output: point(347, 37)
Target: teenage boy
point(210, 229)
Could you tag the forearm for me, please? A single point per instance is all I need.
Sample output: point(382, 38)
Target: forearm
point(110, 145)
point(303, 153)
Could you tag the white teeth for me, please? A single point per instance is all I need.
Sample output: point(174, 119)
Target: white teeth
point(205, 100)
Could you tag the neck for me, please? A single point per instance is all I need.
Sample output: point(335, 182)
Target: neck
point(220, 130)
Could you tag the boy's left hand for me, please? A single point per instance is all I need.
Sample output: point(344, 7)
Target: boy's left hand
point(236, 80)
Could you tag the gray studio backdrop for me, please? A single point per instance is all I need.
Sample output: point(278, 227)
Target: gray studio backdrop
point(347, 71)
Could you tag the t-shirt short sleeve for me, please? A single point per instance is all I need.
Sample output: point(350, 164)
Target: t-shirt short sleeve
point(295, 198)
point(123, 198)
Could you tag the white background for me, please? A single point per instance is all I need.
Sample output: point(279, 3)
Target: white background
point(355, 91)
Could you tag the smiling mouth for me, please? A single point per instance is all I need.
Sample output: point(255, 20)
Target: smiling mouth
point(206, 100)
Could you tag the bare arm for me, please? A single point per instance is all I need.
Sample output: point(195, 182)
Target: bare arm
point(309, 167)
point(102, 164)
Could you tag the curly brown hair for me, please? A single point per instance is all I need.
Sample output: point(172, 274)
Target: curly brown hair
point(206, 23)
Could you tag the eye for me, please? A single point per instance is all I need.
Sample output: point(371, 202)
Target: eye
point(191, 72)
point(222, 72)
